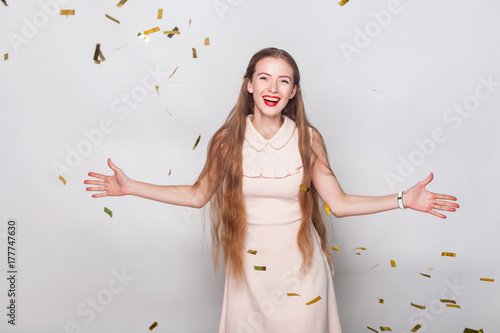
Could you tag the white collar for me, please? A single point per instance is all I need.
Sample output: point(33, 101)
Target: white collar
point(278, 141)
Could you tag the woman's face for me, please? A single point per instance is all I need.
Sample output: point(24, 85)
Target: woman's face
point(272, 86)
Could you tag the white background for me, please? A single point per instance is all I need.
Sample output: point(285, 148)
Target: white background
point(376, 107)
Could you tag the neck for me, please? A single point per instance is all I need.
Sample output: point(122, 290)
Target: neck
point(267, 126)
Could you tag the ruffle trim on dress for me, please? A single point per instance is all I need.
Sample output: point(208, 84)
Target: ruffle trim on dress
point(293, 169)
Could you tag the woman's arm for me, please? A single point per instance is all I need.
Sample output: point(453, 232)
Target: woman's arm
point(341, 204)
point(119, 184)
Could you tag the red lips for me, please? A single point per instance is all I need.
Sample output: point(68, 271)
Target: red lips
point(271, 100)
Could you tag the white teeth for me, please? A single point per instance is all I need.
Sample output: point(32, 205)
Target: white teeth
point(271, 99)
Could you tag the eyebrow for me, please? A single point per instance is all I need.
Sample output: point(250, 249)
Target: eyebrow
point(271, 75)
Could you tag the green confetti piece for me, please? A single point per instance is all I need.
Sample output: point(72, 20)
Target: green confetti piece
point(107, 211)
point(259, 268)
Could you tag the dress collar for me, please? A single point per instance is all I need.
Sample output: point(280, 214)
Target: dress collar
point(278, 141)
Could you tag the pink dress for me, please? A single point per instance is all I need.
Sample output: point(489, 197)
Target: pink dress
point(273, 295)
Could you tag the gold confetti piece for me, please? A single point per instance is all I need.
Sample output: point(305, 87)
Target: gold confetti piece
point(96, 53)
point(259, 268)
point(252, 252)
point(62, 179)
point(293, 294)
point(175, 31)
point(421, 307)
point(382, 328)
point(304, 188)
point(393, 263)
point(381, 301)
point(343, 2)
point(448, 254)
point(207, 41)
point(453, 306)
point(141, 35)
point(169, 172)
point(430, 269)
point(487, 280)
point(335, 248)
point(189, 26)
point(157, 89)
point(168, 111)
point(416, 328)
point(150, 31)
point(121, 3)
point(426, 275)
point(67, 12)
point(470, 330)
point(314, 300)
point(357, 253)
point(175, 70)
point(368, 327)
point(448, 301)
point(327, 209)
point(5, 3)
point(373, 267)
point(160, 14)
point(153, 326)
point(112, 19)
point(101, 55)
point(194, 53)
point(5, 56)
point(107, 211)
point(383, 92)
point(197, 141)
point(360, 248)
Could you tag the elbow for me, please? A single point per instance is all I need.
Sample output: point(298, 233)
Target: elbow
point(338, 213)
point(199, 200)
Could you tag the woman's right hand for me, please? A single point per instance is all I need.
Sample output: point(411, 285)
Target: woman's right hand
point(115, 185)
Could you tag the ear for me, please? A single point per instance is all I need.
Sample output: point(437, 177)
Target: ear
point(249, 87)
point(294, 90)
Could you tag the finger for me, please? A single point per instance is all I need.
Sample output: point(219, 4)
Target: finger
point(94, 182)
point(99, 195)
point(112, 166)
point(428, 179)
point(437, 214)
point(97, 175)
point(447, 203)
point(95, 189)
point(446, 197)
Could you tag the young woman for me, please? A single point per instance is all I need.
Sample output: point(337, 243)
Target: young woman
point(266, 170)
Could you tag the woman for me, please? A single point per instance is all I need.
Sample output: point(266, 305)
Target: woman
point(266, 169)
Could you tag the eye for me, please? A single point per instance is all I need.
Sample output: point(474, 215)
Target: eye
point(285, 81)
point(263, 78)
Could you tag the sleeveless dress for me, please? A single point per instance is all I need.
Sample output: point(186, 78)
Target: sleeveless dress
point(273, 295)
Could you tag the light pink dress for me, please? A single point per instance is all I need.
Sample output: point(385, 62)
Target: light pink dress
point(273, 295)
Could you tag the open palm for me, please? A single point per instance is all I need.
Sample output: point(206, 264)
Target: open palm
point(114, 185)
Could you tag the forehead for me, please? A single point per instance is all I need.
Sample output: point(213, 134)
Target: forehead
point(274, 66)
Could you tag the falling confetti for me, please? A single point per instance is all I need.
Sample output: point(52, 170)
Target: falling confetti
point(448, 254)
point(382, 328)
point(360, 248)
point(381, 301)
point(107, 211)
point(448, 301)
point(62, 179)
point(96, 53)
point(416, 328)
point(207, 41)
point(304, 188)
point(5, 56)
point(259, 268)
point(421, 307)
point(371, 329)
point(314, 300)
point(194, 53)
point(157, 89)
point(141, 35)
point(169, 172)
point(121, 3)
point(174, 31)
point(5, 3)
point(189, 26)
point(453, 306)
point(469, 330)
point(327, 209)
point(197, 141)
point(160, 14)
point(343, 2)
point(152, 30)
point(168, 111)
point(252, 252)
point(153, 326)
point(373, 267)
point(112, 19)
point(426, 275)
point(67, 12)
point(487, 280)
point(393, 263)
point(335, 248)
point(430, 269)
point(175, 70)
point(383, 92)
point(292, 294)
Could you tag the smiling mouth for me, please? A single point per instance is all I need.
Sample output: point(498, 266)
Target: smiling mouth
point(271, 101)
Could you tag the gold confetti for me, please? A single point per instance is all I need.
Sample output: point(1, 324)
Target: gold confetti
point(153, 326)
point(101, 55)
point(141, 35)
point(62, 179)
point(360, 248)
point(448, 254)
point(150, 31)
point(421, 307)
point(96, 53)
point(448, 301)
point(368, 327)
point(197, 141)
point(373, 267)
point(5, 3)
point(169, 172)
point(382, 328)
point(453, 306)
point(430, 269)
point(207, 41)
point(381, 301)
point(175, 31)
point(487, 280)
point(5, 56)
point(160, 14)
point(393, 263)
point(357, 253)
point(189, 26)
point(112, 19)
point(175, 70)
point(470, 330)
point(335, 248)
point(252, 252)
point(343, 2)
point(292, 294)
point(67, 12)
point(194, 53)
point(168, 111)
point(107, 211)
point(416, 328)
point(121, 3)
point(426, 275)
point(327, 209)
point(259, 268)
point(314, 300)
point(157, 89)
point(304, 188)
point(383, 92)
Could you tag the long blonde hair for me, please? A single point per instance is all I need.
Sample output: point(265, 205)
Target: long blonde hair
point(224, 169)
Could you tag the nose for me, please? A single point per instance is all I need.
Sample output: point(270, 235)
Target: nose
point(274, 86)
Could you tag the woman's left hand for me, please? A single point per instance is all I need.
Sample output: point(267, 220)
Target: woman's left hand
point(418, 198)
